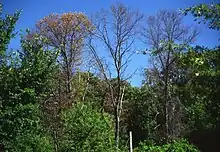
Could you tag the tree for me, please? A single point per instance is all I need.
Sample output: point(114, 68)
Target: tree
point(116, 30)
point(24, 78)
point(167, 37)
point(200, 91)
point(25, 84)
point(66, 32)
point(38, 66)
point(201, 65)
point(7, 25)
point(198, 87)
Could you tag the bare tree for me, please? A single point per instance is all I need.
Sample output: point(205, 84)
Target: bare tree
point(167, 35)
point(116, 31)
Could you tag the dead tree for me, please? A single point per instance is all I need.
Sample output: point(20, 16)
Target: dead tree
point(164, 32)
point(116, 30)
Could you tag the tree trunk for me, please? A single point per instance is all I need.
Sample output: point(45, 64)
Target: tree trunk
point(68, 81)
point(166, 103)
point(117, 126)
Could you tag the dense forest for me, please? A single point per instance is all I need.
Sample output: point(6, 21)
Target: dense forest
point(67, 88)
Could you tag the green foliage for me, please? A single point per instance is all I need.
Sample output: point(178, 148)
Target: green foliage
point(30, 78)
point(175, 146)
point(38, 65)
point(21, 90)
point(7, 25)
point(30, 142)
point(200, 92)
point(21, 129)
point(142, 116)
point(202, 61)
point(207, 14)
point(85, 129)
point(24, 82)
point(88, 88)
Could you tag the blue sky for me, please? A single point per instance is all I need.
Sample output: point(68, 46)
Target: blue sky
point(34, 10)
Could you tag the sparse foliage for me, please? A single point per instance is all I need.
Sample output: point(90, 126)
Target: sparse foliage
point(164, 32)
point(66, 32)
point(116, 30)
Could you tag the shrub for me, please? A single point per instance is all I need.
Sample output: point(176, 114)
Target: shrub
point(21, 130)
point(86, 129)
point(175, 146)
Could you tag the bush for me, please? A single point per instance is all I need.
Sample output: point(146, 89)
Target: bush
point(29, 142)
point(86, 129)
point(21, 130)
point(175, 146)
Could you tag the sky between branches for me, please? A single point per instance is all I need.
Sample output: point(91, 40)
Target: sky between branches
point(33, 10)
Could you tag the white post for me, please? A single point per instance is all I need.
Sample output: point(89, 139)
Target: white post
point(130, 135)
